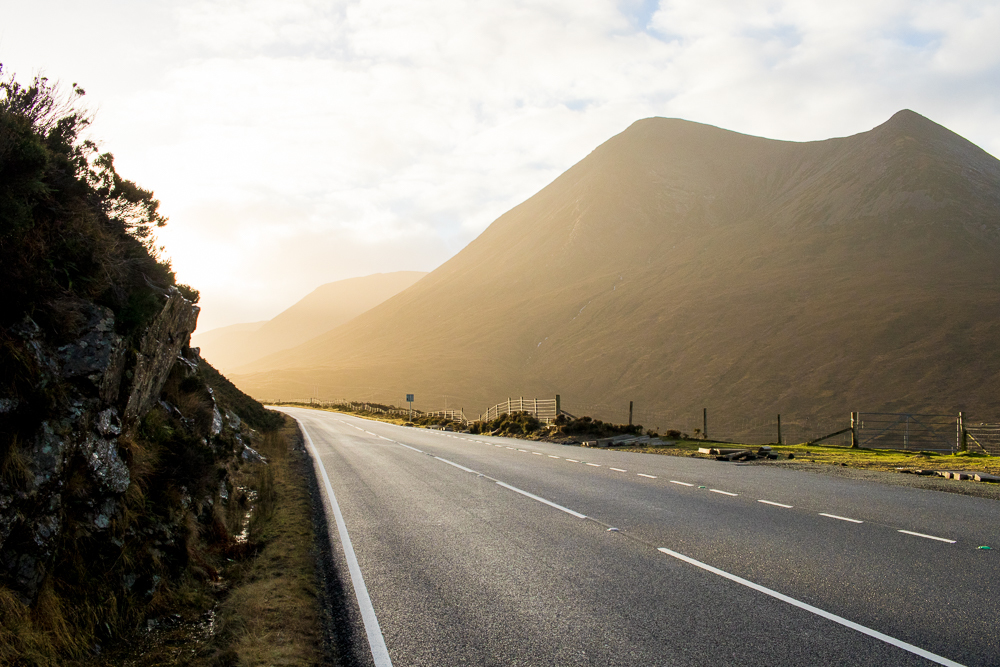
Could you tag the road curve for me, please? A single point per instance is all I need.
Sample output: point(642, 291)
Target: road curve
point(493, 551)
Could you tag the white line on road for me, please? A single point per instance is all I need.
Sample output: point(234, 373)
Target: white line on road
point(542, 500)
point(617, 469)
point(408, 447)
point(841, 518)
point(572, 460)
point(553, 457)
point(645, 475)
point(596, 465)
point(725, 493)
point(452, 463)
point(771, 502)
point(674, 481)
point(816, 610)
point(511, 448)
point(523, 450)
point(380, 654)
point(538, 454)
point(929, 537)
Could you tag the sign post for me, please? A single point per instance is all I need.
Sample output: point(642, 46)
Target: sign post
point(409, 399)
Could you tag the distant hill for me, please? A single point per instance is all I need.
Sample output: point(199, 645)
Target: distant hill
point(680, 265)
point(323, 309)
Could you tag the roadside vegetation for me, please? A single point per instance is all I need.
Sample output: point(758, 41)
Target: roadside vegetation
point(676, 443)
point(262, 606)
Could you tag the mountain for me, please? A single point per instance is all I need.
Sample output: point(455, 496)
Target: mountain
point(684, 266)
point(323, 309)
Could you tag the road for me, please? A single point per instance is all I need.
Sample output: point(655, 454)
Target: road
point(477, 550)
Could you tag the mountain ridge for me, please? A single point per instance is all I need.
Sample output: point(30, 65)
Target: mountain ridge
point(678, 252)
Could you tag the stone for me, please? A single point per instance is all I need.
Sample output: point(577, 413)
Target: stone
point(108, 422)
point(92, 352)
point(106, 465)
point(986, 477)
point(158, 351)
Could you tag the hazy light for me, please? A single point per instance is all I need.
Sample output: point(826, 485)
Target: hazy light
point(299, 142)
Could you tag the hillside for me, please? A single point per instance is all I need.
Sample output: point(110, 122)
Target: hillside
point(684, 266)
point(323, 309)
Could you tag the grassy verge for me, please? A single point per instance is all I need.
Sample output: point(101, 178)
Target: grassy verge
point(873, 459)
point(265, 606)
point(272, 614)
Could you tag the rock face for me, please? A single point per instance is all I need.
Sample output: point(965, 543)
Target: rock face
point(67, 468)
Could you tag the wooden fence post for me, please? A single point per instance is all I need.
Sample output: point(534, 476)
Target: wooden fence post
point(630, 413)
point(779, 429)
point(963, 443)
point(854, 430)
point(704, 423)
point(558, 406)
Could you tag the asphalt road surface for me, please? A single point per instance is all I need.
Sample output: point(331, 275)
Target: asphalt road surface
point(456, 549)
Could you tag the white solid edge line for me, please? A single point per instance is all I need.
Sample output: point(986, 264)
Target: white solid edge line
point(771, 502)
point(452, 463)
point(645, 475)
point(380, 654)
point(725, 493)
point(674, 481)
point(408, 447)
point(816, 610)
point(929, 537)
point(542, 500)
point(841, 518)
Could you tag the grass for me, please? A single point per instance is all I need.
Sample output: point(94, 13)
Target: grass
point(257, 601)
point(873, 459)
point(272, 616)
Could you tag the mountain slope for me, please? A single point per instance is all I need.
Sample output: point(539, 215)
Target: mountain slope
point(323, 309)
point(680, 265)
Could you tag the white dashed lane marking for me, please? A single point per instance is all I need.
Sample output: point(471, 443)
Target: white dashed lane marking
point(771, 502)
point(617, 469)
point(674, 481)
point(641, 474)
point(840, 518)
point(572, 460)
point(553, 457)
point(725, 493)
point(596, 465)
point(929, 537)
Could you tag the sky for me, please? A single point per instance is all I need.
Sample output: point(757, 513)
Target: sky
point(297, 142)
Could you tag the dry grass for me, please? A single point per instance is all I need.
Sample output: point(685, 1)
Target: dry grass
point(272, 615)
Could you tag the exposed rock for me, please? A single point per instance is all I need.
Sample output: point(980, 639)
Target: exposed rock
point(158, 351)
point(105, 463)
point(93, 352)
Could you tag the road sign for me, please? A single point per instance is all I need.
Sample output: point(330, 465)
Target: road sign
point(409, 398)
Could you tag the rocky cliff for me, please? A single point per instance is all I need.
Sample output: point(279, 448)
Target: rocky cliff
point(118, 443)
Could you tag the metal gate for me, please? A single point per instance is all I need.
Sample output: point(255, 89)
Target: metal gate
point(892, 430)
point(984, 437)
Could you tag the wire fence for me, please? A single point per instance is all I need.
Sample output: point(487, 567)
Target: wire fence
point(708, 425)
point(911, 432)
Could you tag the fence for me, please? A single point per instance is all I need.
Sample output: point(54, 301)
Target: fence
point(454, 415)
point(544, 409)
point(911, 432)
point(983, 437)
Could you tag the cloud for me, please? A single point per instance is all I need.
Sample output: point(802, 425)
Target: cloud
point(302, 141)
